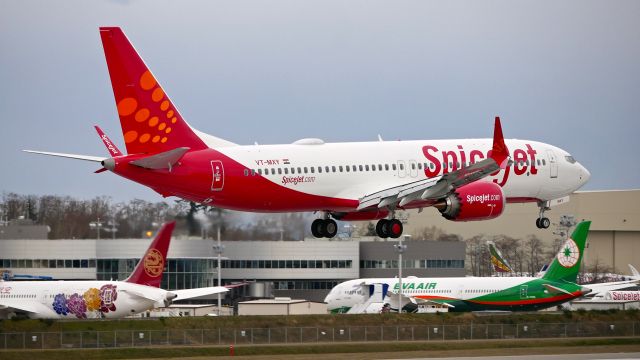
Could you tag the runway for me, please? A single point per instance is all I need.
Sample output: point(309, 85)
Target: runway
point(608, 356)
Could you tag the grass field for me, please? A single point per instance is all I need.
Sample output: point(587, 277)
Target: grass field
point(238, 322)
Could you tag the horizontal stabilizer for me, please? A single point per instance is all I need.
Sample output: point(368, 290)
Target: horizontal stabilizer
point(149, 296)
point(164, 160)
point(198, 292)
point(556, 290)
point(70, 156)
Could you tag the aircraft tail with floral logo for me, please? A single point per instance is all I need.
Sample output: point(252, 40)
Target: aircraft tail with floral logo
point(150, 268)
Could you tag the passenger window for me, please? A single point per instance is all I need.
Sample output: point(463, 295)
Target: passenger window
point(286, 171)
point(373, 168)
point(279, 171)
point(246, 172)
point(273, 171)
point(544, 162)
point(319, 169)
point(366, 167)
point(299, 170)
point(354, 168)
point(293, 170)
point(401, 166)
point(348, 168)
point(386, 167)
point(419, 166)
point(413, 166)
point(312, 169)
point(333, 169)
point(326, 169)
point(340, 168)
point(253, 172)
point(393, 166)
point(306, 170)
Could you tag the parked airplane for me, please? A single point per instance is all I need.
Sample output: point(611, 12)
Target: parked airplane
point(556, 286)
point(466, 179)
point(99, 299)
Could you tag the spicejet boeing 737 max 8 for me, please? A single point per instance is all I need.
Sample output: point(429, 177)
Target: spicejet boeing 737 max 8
point(470, 179)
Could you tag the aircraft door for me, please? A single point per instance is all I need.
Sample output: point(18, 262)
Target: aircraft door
point(524, 291)
point(553, 164)
point(402, 168)
point(413, 168)
point(217, 171)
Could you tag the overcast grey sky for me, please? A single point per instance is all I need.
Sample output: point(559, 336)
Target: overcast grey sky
point(565, 73)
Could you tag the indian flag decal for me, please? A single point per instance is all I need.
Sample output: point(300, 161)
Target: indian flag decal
point(569, 254)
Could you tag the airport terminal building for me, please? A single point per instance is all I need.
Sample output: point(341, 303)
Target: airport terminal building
point(297, 269)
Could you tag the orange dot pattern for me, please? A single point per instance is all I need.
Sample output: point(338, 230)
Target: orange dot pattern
point(147, 82)
point(142, 115)
point(151, 129)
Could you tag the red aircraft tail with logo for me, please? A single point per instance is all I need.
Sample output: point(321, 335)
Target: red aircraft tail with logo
point(150, 122)
point(151, 266)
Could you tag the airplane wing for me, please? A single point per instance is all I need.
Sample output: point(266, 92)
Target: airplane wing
point(198, 292)
point(439, 186)
point(18, 306)
point(610, 286)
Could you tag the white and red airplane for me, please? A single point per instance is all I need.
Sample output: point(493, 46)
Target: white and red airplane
point(469, 179)
point(100, 299)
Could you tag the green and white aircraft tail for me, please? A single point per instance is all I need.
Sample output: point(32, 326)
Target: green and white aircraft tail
point(566, 265)
point(556, 286)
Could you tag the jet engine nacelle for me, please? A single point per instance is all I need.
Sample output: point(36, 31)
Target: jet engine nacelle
point(477, 201)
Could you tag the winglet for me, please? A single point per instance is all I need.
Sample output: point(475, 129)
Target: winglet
point(499, 152)
point(149, 269)
point(113, 150)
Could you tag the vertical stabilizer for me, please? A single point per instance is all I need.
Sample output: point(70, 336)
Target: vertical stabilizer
point(149, 269)
point(150, 122)
point(566, 264)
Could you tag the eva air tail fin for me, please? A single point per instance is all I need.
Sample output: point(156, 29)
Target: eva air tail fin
point(566, 264)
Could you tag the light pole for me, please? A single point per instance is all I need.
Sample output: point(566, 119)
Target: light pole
point(219, 249)
point(400, 248)
point(96, 225)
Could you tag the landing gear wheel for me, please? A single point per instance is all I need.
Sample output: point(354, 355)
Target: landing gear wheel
point(381, 228)
point(545, 223)
point(330, 228)
point(317, 228)
point(394, 228)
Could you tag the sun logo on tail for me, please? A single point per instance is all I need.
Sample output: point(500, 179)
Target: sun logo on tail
point(569, 254)
point(153, 263)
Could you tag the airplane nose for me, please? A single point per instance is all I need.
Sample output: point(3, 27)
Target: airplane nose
point(585, 175)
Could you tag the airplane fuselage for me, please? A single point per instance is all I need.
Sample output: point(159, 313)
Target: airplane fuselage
point(333, 176)
point(77, 299)
point(463, 294)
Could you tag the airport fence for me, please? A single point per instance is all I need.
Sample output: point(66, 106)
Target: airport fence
point(289, 335)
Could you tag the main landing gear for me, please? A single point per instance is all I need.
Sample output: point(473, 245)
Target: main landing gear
point(389, 228)
point(543, 222)
point(324, 228)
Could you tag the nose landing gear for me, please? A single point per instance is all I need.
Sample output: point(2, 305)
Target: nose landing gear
point(543, 222)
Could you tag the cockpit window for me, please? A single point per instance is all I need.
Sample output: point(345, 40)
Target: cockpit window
point(570, 159)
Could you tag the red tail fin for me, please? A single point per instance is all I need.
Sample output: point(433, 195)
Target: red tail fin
point(150, 268)
point(150, 122)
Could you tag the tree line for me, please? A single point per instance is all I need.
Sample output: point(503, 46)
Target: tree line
point(72, 218)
